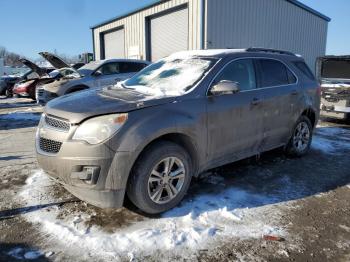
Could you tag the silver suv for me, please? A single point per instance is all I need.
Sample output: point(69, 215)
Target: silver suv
point(95, 74)
point(192, 111)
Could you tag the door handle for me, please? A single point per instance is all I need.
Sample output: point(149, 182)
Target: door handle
point(255, 101)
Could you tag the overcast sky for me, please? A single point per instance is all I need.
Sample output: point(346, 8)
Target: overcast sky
point(30, 26)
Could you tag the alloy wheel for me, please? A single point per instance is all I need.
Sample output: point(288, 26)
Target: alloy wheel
point(301, 136)
point(166, 180)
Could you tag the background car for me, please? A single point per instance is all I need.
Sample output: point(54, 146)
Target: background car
point(95, 74)
point(7, 82)
point(27, 87)
point(334, 75)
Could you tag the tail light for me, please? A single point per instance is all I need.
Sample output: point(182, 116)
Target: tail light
point(318, 90)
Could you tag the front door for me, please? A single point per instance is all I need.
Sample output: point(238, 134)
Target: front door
point(235, 121)
point(108, 74)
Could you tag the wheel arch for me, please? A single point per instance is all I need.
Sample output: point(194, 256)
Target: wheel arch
point(180, 139)
point(76, 88)
point(311, 114)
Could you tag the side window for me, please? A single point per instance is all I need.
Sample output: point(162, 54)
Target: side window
point(275, 73)
point(131, 67)
point(304, 69)
point(109, 69)
point(240, 71)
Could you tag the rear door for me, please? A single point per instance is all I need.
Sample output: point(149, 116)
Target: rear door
point(235, 121)
point(282, 96)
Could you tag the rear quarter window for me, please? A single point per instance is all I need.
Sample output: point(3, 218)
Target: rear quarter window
point(304, 69)
point(275, 73)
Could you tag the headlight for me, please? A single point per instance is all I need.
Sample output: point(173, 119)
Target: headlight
point(98, 129)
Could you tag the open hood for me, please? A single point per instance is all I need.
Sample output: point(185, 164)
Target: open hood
point(40, 71)
point(333, 68)
point(54, 60)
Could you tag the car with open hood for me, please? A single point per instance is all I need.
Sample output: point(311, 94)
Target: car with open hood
point(27, 87)
point(7, 82)
point(146, 137)
point(334, 75)
point(93, 75)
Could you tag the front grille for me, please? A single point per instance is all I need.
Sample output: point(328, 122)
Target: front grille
point(49, 146)
point(57, 123)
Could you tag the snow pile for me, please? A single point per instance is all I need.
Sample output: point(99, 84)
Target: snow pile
point(21, 116)
point(196, 224)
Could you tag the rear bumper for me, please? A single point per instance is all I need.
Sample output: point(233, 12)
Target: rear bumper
point(338, 109)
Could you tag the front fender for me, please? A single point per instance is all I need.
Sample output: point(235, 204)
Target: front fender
point(149, 124)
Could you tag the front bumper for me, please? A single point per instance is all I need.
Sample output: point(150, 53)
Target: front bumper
point(67, 164)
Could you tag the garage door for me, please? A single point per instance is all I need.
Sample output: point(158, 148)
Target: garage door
point(114, 44)
point(169, 34)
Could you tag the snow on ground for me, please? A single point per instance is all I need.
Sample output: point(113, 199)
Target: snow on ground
point(330, 139)
point(21, 115)
point(233, 212)
point(196, 224)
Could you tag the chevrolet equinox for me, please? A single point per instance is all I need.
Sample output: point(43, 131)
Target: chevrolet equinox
point(146, 137)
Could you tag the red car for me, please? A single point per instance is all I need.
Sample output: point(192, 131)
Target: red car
point(27, 87)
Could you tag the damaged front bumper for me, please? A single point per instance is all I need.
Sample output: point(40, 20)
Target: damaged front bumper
point(94, 173)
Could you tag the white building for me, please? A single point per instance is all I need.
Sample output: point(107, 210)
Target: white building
point(164, 27)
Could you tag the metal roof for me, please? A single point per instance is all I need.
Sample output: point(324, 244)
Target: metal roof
point(156, 2)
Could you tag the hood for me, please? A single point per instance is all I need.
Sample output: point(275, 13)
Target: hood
point(40, 71)
point(333, 69)
point(54, 60)
point(94, 102)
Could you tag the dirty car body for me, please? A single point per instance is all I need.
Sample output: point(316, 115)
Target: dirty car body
point(334, 74)
point(164, 104)
point(93, 75)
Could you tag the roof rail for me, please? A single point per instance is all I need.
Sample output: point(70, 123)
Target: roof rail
point(269, 50)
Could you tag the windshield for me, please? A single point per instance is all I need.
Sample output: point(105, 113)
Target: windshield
point(89, 68)
point(170, 76)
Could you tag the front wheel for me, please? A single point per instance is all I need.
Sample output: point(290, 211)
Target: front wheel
point(160, 178)
point(300, 142)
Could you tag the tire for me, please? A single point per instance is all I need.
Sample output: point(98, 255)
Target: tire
point(300, 141)
point(149, 174)
point(8, 93)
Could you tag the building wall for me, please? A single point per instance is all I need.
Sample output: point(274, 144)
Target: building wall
point(265, 23)
point(135, 28)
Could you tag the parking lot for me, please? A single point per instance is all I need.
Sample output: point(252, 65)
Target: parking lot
point(271, 208)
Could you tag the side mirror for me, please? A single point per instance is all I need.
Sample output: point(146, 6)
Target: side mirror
point(224, 87)
point(97, 73)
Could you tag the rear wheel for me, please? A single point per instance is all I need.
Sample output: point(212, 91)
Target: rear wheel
point(300, 142)
point(160, 178)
